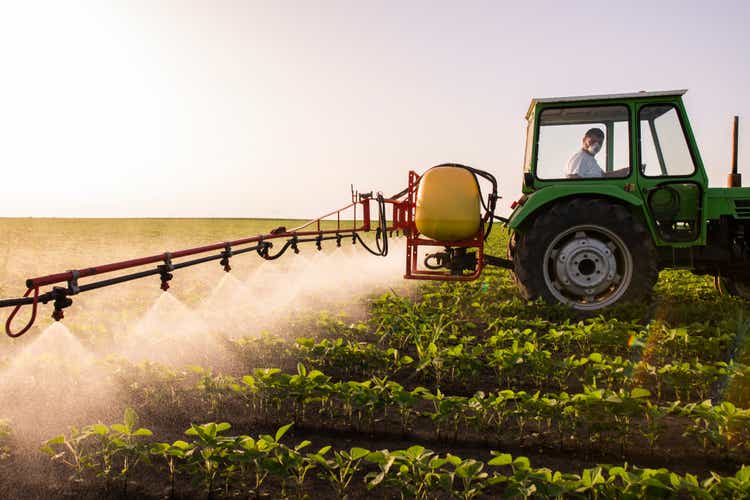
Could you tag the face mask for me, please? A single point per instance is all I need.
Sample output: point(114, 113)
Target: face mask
point(594, 148)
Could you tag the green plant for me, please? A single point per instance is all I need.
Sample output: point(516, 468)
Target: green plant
point(101, 450)
point(72, 451)
point(253, 457)
point(341, 468)
point(172, 454)
point(211, 453)
point(469, 473)
point(416, 473)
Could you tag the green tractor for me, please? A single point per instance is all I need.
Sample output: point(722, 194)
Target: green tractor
point(590, 241)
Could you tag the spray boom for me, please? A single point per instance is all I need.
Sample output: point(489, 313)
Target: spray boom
point(403, 217)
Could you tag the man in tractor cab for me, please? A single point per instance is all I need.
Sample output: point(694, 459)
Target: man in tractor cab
point(583, 163)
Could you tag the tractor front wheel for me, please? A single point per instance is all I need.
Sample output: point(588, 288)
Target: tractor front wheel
point(586, 253)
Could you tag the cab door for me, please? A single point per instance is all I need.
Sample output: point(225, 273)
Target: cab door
point(669, 177)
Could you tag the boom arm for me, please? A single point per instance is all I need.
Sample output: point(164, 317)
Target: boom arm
point(311, 231)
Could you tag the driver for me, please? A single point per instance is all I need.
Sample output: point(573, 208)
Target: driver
point(583, 163)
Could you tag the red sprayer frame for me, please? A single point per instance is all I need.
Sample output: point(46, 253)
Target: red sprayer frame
point(402, 219)
point(414, 241)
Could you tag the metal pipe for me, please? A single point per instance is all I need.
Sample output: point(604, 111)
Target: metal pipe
point(734, 179)
point(735, 134)
point(117, 266)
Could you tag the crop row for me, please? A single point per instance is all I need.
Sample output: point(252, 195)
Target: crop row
point(703, 328)
point(250, 466)
point(520, 365)
point(600, 414)
point(401, 323)
point(621, 421)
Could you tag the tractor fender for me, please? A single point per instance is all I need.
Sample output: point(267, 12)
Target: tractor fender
point(538, 200)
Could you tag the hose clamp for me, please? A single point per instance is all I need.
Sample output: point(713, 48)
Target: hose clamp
point(73, 287)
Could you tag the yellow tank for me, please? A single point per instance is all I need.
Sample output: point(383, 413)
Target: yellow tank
point(448, 204)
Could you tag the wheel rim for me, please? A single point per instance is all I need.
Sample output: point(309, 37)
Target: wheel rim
point(587, 267)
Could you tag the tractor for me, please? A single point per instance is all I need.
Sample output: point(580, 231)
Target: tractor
point(594, 241)
point(587, 242)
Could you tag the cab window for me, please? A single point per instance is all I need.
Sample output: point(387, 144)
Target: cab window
point(664, 147)
point(561, 153)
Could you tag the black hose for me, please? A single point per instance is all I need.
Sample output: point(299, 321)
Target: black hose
point(399, 194)
point(263, 252)
point(381, 234)
point(489, 208)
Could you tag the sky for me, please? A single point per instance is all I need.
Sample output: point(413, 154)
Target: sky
point(272, 109)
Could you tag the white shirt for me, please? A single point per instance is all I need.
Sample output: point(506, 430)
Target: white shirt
point(583, 164)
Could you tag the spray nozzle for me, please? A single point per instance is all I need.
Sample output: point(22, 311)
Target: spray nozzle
point(225, 262)
point(338, 240)
point(319, 242)
point(61, 302)
point(294, 245)
point(165, 277)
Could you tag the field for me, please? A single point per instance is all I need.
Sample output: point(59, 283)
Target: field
point(324, 375)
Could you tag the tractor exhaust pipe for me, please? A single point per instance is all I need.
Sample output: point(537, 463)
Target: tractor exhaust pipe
point(735, 179)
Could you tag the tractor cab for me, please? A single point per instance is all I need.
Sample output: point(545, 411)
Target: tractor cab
point(648, 157)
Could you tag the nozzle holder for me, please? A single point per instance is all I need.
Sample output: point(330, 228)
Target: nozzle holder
point(263, 247)
point(319, 242)
point(338, 240)
point(225, 255)
point(165, 271)
point(293, 244)
point(62, 301)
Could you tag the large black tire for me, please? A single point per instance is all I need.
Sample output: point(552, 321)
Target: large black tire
point(586, 253)
point(512, 240)
point(732, 287)
point(511, 254)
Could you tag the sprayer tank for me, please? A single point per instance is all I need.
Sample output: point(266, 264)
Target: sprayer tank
point(448, 204)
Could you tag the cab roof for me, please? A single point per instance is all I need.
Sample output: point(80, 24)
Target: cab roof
point(633, 95)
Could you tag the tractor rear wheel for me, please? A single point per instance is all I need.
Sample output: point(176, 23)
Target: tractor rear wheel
point(733, 287)
point(586, 253)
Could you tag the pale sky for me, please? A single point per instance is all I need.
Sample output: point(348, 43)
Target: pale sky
point(271, 109)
